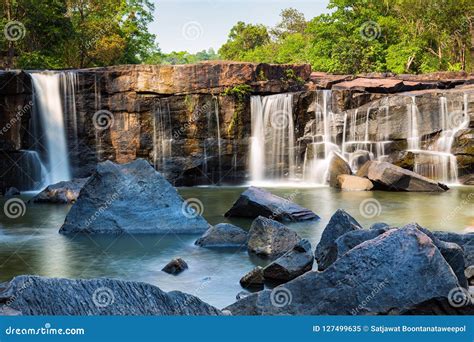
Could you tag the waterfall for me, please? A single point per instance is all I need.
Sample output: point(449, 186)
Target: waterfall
point(413, 135)
point(436, 161)
point(272, 154)
point(319, 152)
point(162, 134)
point(49, 124)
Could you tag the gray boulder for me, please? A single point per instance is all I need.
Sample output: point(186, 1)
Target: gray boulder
point(255, 202)
point(254, 279)
point(62, 192)
point(337, 166)
point(441, 306)
point(339, 224)
point(466, 241)
point(292, 264)
point(131, 198)
point(354, 238)
point(175, 266)
point(223, 235)
point(39, 296)
point(385, 275)
point(386, 176)
point(270, 239)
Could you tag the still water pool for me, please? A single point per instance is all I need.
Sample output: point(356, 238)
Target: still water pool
point(31, 244)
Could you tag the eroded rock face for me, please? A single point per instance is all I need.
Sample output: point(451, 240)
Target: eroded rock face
point(255, 202)
point(223, 235)
point(38, 296)
point(62, 192)
point(292, 264)
point(390, 177)
point(130, 198)
point(337, 166)
point(270, 239)
point(385, 275)
point(339, 224)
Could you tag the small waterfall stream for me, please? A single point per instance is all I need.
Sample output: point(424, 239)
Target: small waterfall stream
point(50, 89)
point(272, 154)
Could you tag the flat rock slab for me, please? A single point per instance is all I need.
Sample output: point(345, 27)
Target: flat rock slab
point(337, 166)
point(354, 183)
point(38, 296)
point(386, 176)
point(223, 235)
point(255, 202)
point(62, 192)
point(131, 198)
point(385, 275)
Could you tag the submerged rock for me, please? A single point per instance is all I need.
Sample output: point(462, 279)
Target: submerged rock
point(39, 296)
point(385, 275)
point(62, 192)
point(175, 266)
point(253, 279)
point(354, 183)
point(337, 166)
point(131, 198)
point(223, 235)
point(386, 176)
point(339, 224)
point(292, 264)
point(255, 202)
point(268, 238)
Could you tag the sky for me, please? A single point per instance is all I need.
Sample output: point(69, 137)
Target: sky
point(196, 25)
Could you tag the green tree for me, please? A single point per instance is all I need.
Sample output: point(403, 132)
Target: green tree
point(244, 38)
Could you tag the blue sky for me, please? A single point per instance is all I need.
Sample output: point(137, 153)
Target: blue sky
point(195, 25)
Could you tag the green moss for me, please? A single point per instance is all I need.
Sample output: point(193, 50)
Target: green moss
point(240, 93)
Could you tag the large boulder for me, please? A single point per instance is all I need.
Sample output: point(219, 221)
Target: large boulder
point(292, 264)
point(353, 183)
point(386, 176)
point(385, 275)
point(40, 296)
point(131, 198)
point(223, 235)
point(354, 238)
point(270, 239)
point(337, 166)
point(255, 202)
point(62, 192)
point(466, 241)
point(339, 224)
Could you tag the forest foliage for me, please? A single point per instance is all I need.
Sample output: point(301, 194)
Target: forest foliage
point(401, 36)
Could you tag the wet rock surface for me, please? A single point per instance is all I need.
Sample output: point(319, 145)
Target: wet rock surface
point(223, 235)
point(255, 202)
point(62, 192)
point(130, 198)
point(175, 266)
point(254, 279)
point(38, 296)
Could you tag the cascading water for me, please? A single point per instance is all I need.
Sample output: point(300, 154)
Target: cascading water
point(436, 161)
point(162, 134)
point(48, 123)
point(272, 155)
